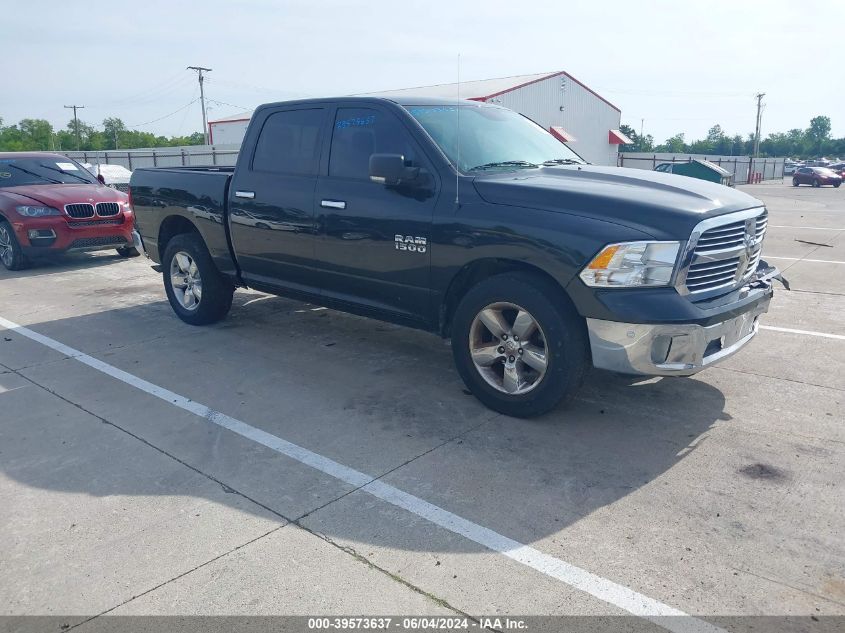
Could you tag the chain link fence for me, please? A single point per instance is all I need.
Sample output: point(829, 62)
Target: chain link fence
point(744, 168)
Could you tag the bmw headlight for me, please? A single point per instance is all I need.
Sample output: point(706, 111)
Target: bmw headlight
point(632, 264)
point(36, 212)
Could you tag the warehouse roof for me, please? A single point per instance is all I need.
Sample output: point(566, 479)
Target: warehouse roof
point(483, 88)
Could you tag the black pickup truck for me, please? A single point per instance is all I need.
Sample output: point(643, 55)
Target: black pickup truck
point(470, 221)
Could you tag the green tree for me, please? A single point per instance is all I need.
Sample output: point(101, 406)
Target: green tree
point(674, 144)
point(36, 134)
point(818, 133)
point(113, 129)
point(644, 143)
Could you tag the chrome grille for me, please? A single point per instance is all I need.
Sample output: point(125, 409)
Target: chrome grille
point(80, 210)
point(722, 253)
point(105, 209)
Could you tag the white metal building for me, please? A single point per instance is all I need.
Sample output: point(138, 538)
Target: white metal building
point(584, 120)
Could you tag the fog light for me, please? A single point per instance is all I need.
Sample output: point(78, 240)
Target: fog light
point(35, 234)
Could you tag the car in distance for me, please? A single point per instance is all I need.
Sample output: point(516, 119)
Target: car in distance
point(816, 176)
point(789, 168)
point(839, 168)
point(50, 204)
point(697, 168)
point(470, 221)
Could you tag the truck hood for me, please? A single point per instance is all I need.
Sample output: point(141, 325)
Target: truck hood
point(59, 195)
point(666, 206)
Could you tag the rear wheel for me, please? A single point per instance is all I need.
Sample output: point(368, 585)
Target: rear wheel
point(198, 293)
point(11, 253)
point(519, 345)
point(836, 184)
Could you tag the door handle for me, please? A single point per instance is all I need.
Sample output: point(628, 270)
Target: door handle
point(333, 204)
point(249, 195)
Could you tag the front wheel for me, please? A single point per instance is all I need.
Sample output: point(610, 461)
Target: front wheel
point(198, 293)
point(795, 182)
point(11, 253)
point(816, 183)
point(519, 345)
point(128, 251)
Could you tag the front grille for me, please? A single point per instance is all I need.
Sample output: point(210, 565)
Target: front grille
point(80, 210)
point(88, 242)
point(723, 253)
point(105, 209)
point(78, 225)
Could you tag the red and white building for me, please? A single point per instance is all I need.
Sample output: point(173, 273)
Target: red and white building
point(577, 115)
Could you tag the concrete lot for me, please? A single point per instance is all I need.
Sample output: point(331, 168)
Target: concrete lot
point(715, 495)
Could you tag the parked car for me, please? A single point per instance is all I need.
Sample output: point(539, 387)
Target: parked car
point(816, 176)
point(838, 168)
point(50, 203)
point(115, 176)
point(490, 232)
point(789, 168)
point(697, 168)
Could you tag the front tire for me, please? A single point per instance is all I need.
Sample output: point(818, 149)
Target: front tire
point(795, 182)
point(198, 293)
point(128, 251)
point(519, 345)
point(816, 183)
point(11, 253)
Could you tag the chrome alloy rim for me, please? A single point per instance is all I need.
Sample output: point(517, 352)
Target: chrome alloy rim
point(186, 281)
point(508, 348)
point(6, 253)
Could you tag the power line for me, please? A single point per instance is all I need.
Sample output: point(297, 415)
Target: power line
point(187, 105)
point(76, 121)
point(200, 70)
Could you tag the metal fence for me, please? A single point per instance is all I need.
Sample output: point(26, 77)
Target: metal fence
point(193, 155)
point(744, 168)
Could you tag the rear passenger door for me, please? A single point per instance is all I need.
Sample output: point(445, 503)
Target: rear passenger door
point(271, 198)
point(374, 241)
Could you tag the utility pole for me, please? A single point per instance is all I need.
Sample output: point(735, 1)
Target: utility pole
point(759, 96)
point(200, 70)
point(76, 122)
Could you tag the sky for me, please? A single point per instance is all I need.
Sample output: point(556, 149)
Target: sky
point(670, 66)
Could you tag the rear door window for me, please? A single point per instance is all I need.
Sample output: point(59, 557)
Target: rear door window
point(289, 143)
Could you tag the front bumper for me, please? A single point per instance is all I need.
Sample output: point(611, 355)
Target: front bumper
point(54, 234)
point(677, 349)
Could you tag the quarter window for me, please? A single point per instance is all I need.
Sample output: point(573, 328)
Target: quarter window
point(289, 143)
point(361, 132)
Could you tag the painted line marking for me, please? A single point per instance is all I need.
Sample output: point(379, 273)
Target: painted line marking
point(809, 228)
point(801, 259)
point(788, 330)
point(613, 593)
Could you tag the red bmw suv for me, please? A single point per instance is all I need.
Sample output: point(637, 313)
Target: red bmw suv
point(50, 203)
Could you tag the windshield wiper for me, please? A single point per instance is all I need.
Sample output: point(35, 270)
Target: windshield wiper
point(65, 173)
point(32, 173)
point(563, 161)
point(504, 163)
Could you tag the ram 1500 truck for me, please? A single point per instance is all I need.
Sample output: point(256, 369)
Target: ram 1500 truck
point(470, 221)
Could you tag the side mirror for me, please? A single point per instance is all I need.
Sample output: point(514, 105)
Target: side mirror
point(390, 170)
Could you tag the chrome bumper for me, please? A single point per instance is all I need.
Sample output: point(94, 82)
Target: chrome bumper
point(670, 350)
point(138, 243)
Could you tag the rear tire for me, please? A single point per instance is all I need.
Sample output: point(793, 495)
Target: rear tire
point(11, 253)
point(557, 344)
point(836, 184)
point(128, 251)
point(198, 293)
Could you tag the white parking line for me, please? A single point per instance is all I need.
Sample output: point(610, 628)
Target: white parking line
point(809, 228)
point(801, 259)
point(806, 332)
point(613, 593)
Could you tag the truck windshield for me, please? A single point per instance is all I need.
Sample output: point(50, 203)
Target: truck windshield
point(15, 172)
point(477, 138)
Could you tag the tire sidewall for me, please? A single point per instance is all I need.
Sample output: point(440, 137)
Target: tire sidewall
point(562, 328)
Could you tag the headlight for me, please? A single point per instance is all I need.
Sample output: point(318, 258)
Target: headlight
point(36, 212)
point(632, 264)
